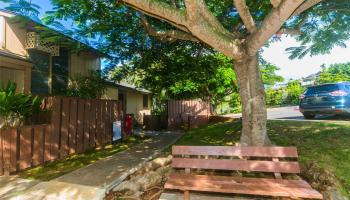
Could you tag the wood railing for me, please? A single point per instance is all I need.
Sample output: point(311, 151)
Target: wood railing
point(76, 125)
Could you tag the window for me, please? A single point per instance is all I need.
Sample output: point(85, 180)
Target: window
point(40, 71)
point(60, 72)
point(145, 101)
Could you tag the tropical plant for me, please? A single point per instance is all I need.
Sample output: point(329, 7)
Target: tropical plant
point(86, 87)
point(15, 107)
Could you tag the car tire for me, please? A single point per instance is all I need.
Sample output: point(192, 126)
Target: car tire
point(309, 116)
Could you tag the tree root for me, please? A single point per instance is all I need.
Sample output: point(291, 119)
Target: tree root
point(147, 179)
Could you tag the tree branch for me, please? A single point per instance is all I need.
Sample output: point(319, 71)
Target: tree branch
point(271, 24)
point(169, 35)
point(159, 10)
point(206, 28)
point(305, 6)
point(287, 31)
point(245, 15)
point(197, 19)
point(275, 3)
point(210, 18)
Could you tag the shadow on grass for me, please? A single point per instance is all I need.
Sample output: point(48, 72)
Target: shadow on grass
point(54, 169)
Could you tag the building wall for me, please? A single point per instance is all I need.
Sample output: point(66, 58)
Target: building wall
point(134, 105)
point(111, 93)
point(15, 38)
point(17, 71)
point(82, 63)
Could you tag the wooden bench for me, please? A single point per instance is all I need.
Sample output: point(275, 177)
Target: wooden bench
point(273, 160)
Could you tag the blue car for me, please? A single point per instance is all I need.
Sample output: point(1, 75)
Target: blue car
point(325, 99)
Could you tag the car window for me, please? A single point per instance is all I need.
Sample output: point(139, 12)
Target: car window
point(322, 89)
point(347, 87)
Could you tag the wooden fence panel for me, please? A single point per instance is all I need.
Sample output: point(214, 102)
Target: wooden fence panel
point(64, 127)
point(180, 113)
point(56, 123)
point(1, 154)
point(80, 127)
point(98, 123)
point(25, 150)
point(92, 123)
point(108, 123)
point(6, 135)
point(47, 143)
point(76, 126)
point(39, 145)
point(103, 122)
point(73, 126)
point(86, 125)
point(14, 150)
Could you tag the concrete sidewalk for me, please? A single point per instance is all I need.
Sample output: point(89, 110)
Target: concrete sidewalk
point(93, 181)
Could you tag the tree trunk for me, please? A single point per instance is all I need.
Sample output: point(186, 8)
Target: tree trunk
point(251, 91)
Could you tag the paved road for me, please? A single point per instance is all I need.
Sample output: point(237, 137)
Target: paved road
point(292, 113)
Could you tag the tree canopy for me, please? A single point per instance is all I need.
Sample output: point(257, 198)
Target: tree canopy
point(334, 73)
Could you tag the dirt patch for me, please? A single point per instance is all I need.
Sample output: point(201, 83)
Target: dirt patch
point(323, 181)
point(146, 184)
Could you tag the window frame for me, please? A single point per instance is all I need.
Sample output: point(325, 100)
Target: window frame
point(145, 97)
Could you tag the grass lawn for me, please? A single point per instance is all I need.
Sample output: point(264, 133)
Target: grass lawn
point(326, 143)
point(57, 168)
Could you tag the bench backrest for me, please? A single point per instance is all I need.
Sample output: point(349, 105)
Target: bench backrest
point(250, 159)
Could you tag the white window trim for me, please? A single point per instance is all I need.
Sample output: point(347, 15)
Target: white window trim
point(2, 32)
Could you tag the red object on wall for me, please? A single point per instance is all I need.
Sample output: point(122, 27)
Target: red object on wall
point(128, 124)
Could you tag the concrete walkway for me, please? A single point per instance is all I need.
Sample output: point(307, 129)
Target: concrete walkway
point(93, 181)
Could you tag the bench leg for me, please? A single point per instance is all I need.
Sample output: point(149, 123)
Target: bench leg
point(187, 195)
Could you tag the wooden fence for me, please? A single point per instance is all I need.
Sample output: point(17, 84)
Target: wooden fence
point(76, 125)
point(188, 113)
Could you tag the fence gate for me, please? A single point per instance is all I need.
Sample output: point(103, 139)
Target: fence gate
point(188, 113)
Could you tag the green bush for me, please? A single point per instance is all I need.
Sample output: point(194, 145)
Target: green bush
point(274, 97)
point(15, 107)
point(86, 87)
point(294, 90)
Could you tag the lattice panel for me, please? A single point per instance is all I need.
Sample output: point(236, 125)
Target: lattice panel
point(33, 42)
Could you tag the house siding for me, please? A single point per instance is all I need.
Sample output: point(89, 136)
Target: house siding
point(134, 105)
point(111, 93)
point(82, 63)
point(15, 38)
point(17, 71)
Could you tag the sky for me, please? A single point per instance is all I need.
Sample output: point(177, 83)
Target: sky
point(275, 53)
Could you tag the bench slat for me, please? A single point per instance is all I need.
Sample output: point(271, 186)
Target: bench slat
point(242, 165)
point(244, 180)
point(191, 183)
point(277, 152)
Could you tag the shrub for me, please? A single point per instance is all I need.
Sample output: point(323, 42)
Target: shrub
point(86, 87)
point(294, 90)
point(15, 107)
point(274, 97)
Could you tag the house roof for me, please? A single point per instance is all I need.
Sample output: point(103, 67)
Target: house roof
point(128, 87)
point(10, 14)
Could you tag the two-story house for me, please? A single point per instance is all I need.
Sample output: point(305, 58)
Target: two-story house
point(44, 68)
